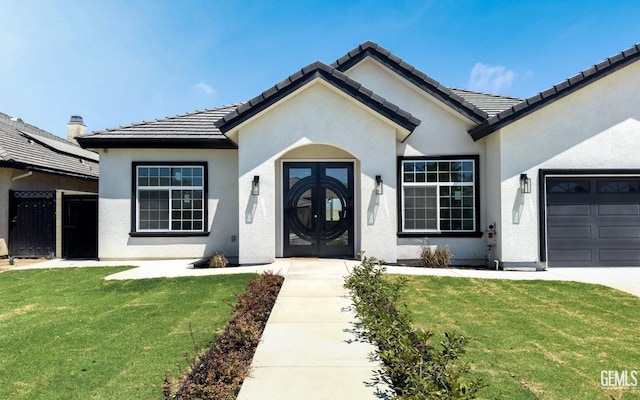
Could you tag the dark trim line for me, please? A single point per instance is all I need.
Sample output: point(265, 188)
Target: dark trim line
point(156, 143)
point(476, 171)
point(168, 234)
point(34, 168)
point(205, 194)
point(542, 194)
point(542, 212)
point(438, 234)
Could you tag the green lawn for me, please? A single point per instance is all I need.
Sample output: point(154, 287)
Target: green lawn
point(535, 339)
point(69, 334)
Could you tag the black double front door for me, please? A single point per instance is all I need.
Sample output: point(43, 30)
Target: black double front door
point(318, 209)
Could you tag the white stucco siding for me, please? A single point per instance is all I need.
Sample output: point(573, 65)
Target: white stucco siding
point(491, 188)
point(114, 241)
point(442, 132)
point(596, 127)
point(316, 114)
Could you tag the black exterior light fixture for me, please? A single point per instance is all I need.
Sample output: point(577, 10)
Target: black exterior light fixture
point(378, 185)
point(525, 184)
point(255, 185)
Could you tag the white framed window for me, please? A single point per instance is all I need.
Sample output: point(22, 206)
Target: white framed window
point(439, 195)
point(169, 198)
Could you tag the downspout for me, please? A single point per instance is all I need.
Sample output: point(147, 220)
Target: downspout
point(25, 175)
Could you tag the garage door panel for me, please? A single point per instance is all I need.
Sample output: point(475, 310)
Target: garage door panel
point(617, 255)
point(569, 254)
point(569, 232)
point(565, 210)
point(618, 209)
point(618, 232)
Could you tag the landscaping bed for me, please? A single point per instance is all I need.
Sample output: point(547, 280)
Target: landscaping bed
point(416, 365)
point(219, 373)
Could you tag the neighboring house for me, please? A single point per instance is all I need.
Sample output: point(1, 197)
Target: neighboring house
point(48, 196)
point(370, 154)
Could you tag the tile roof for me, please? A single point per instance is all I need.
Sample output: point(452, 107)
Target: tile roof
point(24, 146)
point(556, 92)
point(194, 129)
point(491, 104)
point(413, 75)
point(306, 75)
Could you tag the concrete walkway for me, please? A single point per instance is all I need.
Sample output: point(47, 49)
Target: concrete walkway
point(308, 349)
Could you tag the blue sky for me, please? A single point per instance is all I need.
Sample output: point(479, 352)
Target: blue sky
point(115, 62)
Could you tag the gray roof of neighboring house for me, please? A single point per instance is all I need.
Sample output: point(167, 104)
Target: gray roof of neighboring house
point(191, 130)
point(491, 104)
point(306, 75)
point(24, 146)
point(556, 92)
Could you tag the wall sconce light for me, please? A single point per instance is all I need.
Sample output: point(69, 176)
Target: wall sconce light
point(255, 185)
point(525, 184)
point(378, 185)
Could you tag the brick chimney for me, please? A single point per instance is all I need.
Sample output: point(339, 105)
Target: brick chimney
point(75, 127)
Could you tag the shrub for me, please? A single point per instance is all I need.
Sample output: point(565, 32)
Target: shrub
point(438, 257)
point(218, 260)
point(220, 371)
point(413, 365)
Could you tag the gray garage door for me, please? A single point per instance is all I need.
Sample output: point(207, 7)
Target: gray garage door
point(593, 221)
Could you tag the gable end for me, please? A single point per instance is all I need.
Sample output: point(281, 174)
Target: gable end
point(556, 92)
point(307, 74)
point(411, 74)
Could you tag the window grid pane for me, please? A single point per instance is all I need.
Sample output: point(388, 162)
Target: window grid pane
point(448, 187)
point(170, 198)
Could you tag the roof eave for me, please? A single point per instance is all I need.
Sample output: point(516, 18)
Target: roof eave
point(89, 142)
point(52, 171)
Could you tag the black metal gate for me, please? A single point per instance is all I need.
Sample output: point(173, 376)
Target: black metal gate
point(32, 223)
point(80, 226)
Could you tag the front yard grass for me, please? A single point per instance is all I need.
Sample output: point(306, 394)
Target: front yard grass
point(535, 339)
point(69, 334)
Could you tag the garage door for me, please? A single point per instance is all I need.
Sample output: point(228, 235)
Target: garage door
point(593, 221)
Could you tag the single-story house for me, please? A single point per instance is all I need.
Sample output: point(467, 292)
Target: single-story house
point(370, 154)
point(48, 192)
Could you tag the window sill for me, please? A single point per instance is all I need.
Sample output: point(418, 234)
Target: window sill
point(440, 234)
point(168, 234)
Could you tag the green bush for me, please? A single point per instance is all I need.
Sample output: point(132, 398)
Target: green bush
point(440, 257)
point(219, 373)
point(413, 365)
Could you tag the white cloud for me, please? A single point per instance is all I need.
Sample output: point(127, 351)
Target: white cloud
point(204, 88)
point(490, 78)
